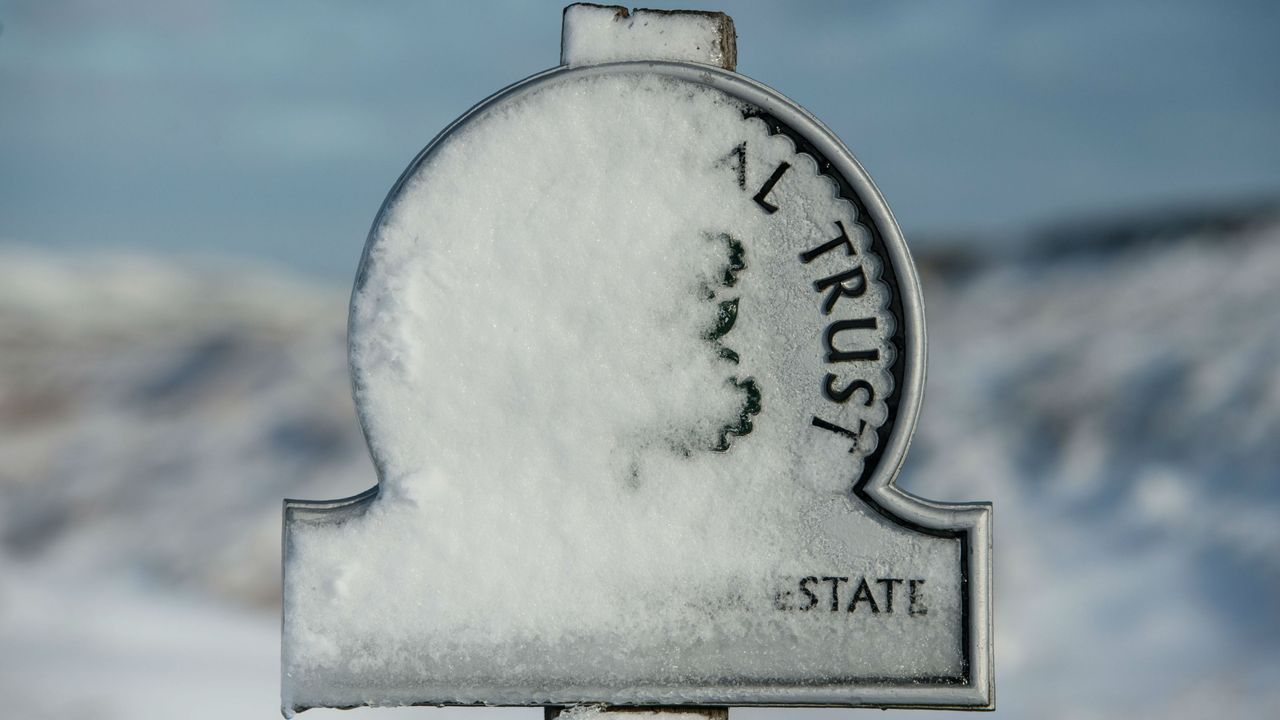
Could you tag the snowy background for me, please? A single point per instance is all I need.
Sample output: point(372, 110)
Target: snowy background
point(184, 192)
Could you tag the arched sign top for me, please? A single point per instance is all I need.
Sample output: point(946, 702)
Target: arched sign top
point(765, 110)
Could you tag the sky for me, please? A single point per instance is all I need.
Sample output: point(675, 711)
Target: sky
point(271, 131)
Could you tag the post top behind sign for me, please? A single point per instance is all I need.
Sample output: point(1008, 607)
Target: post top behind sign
point(594, 34)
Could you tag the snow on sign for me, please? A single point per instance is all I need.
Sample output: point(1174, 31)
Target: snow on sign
point(638, 350)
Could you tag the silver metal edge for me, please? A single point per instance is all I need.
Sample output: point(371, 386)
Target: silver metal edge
point(971, 521)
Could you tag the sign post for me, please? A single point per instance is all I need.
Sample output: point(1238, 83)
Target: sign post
point(638, 349)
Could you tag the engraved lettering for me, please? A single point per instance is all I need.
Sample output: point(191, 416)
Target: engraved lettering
point(829, 337)
point(768, 187)
point(820, 423)
point(835, 590)
point(863, 594)
point(889, 584)
point(740, 153)
point(841, 239)
point(843, 394)
point(839, 289)
point(808, 593)
point(862, 598)
point(915, 598)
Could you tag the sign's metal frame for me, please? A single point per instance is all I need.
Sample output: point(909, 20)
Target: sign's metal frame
point(969, 523)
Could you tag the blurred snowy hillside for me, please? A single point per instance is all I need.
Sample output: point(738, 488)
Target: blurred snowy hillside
point(1112, 385)
point(1119, 401)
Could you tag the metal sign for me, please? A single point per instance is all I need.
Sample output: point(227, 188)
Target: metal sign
point(638, 349)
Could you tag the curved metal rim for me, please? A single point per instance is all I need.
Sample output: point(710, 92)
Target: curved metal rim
point(971, 522)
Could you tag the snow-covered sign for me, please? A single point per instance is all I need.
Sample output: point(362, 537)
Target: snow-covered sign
point(638, 350)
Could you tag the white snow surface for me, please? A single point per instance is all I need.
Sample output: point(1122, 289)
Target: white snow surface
point(528, 350)
point(593, 35)
point(1119, 408)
